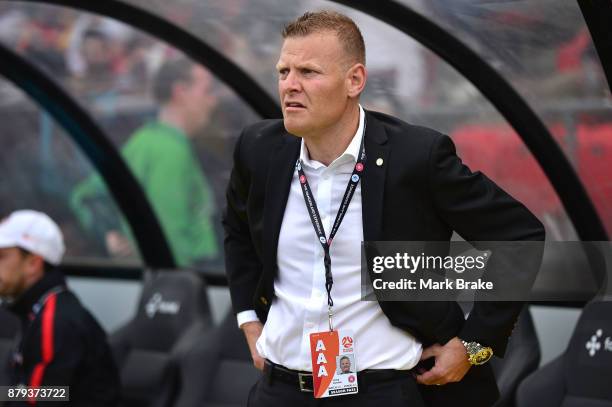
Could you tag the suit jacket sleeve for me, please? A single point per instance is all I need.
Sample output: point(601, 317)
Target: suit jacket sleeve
point(478, 210)
point(243, 265)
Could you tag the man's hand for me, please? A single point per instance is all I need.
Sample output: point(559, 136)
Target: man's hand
point(252, 332)
point(451, 363)
point(118, 245)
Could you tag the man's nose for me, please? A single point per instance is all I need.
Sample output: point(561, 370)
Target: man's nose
point(291, 83)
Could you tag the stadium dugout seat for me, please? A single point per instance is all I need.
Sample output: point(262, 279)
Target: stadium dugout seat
point(522, 358)
point(220, 370)
point(172, 318)
point(582, 375)
point(9, 326)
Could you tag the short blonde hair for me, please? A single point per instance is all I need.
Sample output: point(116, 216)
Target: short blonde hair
point(325, 21)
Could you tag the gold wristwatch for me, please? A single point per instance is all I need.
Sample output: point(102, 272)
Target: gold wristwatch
point(477, 354)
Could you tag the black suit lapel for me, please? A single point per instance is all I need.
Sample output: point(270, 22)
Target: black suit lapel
point(373, 180)
point(280, 173)
point(278, 184)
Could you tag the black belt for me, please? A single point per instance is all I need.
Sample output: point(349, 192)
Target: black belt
point(303, 380)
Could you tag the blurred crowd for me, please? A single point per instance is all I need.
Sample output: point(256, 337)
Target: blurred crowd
point(110, 69)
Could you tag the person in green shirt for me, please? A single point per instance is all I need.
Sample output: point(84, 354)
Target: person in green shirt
point(160, 156)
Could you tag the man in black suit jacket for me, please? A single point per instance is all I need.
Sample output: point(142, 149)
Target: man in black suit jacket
point(413, 188)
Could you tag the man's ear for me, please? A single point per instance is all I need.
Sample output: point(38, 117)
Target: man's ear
point(356, 78)
point(178, 91)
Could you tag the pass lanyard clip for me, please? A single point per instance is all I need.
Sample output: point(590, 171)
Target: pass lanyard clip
point(315, 218)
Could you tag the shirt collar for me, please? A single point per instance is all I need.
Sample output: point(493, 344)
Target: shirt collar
point(351, 151)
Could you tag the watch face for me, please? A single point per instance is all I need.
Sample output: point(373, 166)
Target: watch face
point(483, 356)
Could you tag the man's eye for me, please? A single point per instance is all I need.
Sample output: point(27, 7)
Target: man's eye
point(283, 72)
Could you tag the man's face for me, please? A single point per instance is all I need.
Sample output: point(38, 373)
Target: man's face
point(312, 83)
point(12, 272)
point(197, 99)
point(95, 52)
point(345, 365)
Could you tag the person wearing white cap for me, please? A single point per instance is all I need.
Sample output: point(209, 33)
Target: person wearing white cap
point(60, 343)
point(35, 233)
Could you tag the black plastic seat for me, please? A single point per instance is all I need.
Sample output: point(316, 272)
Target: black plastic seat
point(522, 358)
point(582, 375)
point(173, 317)
point(220, 370)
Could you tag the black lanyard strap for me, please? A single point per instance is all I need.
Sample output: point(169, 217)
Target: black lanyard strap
point(315, 217)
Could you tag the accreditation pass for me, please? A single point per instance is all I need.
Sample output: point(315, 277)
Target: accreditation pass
point(334, 368)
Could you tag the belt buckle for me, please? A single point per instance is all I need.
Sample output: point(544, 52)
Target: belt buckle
point(303, 387)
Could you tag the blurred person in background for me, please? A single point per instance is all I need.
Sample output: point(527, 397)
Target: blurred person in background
point(97, 80)
point(133, 70)
point(41, 41)
point(61, 343)
point(161, 157)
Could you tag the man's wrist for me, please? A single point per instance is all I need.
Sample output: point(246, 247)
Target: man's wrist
point(246, 316)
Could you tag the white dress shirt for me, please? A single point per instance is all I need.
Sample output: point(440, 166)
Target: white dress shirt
point(300, 307)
